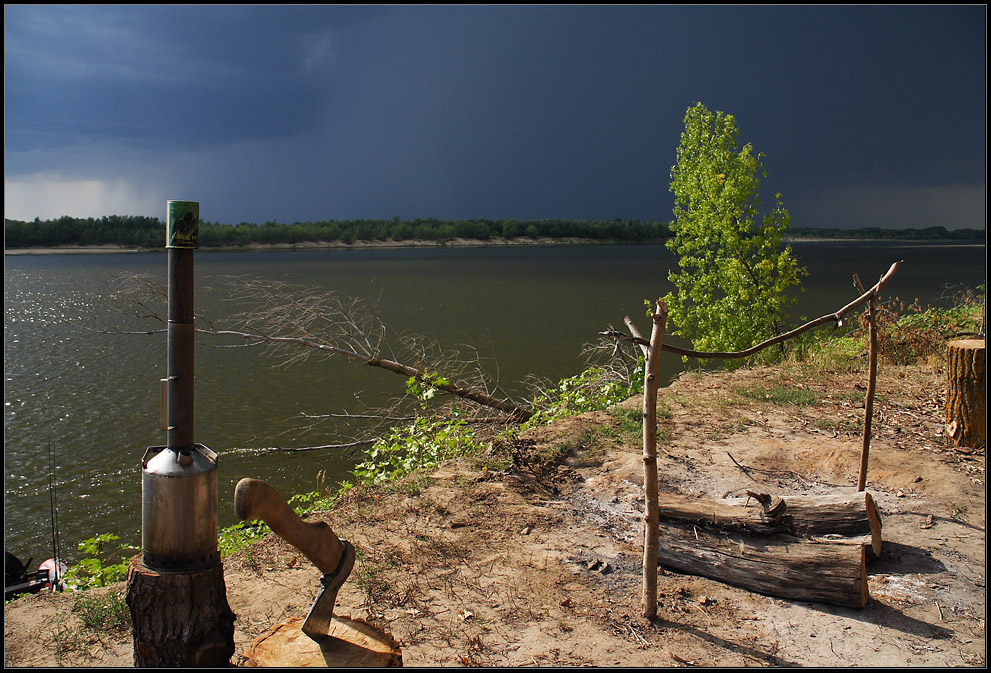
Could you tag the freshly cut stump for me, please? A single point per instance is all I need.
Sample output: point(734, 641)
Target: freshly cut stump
point(352, 643)
point(966, 386)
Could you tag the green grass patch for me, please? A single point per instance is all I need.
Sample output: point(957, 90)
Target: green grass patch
point(108, 613)
point(776, 393)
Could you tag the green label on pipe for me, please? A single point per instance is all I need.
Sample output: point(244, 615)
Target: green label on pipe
point(183, 225)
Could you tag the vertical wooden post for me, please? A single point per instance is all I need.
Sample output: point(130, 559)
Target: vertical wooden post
point(651, 532)
point(869, 402)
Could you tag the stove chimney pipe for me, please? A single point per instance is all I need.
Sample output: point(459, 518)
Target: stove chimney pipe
point(179, 481)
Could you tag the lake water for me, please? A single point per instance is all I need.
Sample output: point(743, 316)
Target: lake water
point(91, 400)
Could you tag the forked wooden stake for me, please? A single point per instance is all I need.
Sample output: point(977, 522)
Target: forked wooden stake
point(651, 530)
point(871, 384)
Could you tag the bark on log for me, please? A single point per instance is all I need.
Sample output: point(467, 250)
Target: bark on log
point(180, 619)
point(774, 566)
point(840, 518)
point(966, 389)
point(353, 643)
point(845, 515)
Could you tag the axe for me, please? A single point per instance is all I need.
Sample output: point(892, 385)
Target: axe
point(254, 499)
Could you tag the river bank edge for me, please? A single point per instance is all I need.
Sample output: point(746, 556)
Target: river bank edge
point(449, 243)
point(545, 576)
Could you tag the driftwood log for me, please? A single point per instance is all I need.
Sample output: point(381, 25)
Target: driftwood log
point(808, 548)
point(352, 643)
point(180, 619)
point(966, 389)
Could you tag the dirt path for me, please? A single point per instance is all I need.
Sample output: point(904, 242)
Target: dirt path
point(540, 565)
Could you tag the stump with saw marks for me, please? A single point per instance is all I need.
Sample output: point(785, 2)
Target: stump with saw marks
point(351, 643)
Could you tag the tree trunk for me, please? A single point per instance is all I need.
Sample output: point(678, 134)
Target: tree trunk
point(353, 643)
point(966, 390)
point(180, 619)
point(774, 566)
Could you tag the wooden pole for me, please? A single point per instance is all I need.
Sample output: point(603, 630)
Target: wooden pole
point(869, 403)
point(651, 529)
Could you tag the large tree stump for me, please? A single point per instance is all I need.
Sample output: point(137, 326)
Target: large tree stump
point(352, 643)
point(180, 619)
point(966, 388)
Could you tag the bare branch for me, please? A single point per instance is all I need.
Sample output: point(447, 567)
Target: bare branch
point(297, 322)
point(836, 317)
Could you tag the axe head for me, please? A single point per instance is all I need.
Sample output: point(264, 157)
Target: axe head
point(317, 624)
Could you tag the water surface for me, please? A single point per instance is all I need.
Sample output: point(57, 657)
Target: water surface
point(92, 399)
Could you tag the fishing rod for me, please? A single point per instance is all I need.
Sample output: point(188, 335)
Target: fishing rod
point(53, 506)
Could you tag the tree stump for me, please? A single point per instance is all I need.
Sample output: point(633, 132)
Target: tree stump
point(352, 643)
point(180, 619)
point(966, 388)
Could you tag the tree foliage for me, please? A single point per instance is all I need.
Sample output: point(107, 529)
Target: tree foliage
point(134, 231)
point(733, 275)
point(149, 232)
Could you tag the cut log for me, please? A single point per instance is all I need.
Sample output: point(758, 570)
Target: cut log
point(843, 518)
point(743, 514)
point(774, 566)
point(352, 643)
point(966, 389)
point(179, 619)
point(853, 516)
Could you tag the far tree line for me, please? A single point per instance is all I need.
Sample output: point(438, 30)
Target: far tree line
point(136, 231)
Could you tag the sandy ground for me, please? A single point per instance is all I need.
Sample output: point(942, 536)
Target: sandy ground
point(541, 564)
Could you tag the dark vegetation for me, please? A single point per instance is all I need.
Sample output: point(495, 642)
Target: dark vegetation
point(135, 231)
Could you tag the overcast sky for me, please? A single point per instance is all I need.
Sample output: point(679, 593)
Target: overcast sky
point(867, 116)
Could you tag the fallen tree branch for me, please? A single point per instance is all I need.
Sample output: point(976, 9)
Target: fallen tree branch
point(327, 323)
point(348, 445)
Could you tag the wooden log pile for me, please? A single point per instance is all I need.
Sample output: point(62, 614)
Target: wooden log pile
point(807, 548)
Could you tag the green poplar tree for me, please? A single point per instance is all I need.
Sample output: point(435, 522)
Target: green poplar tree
point(733, 275)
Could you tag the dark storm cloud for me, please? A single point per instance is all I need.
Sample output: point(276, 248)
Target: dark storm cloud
point(295, 113)
point(159, 76)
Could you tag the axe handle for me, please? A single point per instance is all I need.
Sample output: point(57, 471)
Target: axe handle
point(255, 499)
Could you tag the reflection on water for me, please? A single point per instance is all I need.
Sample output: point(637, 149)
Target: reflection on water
point(92, 399)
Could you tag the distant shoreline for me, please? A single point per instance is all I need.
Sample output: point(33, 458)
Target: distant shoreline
point(337, 245)
point(450, 243)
